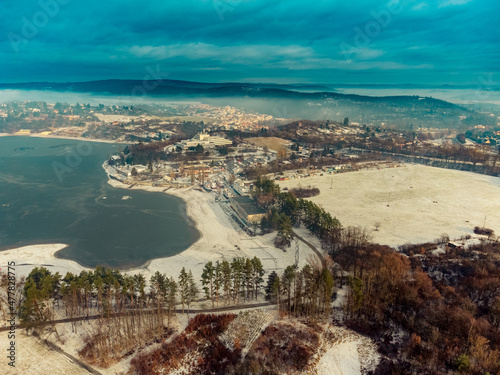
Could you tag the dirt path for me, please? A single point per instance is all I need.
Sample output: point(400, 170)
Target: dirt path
point(146, 311)
point(56, 348)
point(313, 248)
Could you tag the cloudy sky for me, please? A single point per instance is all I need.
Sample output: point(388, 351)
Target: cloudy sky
point(283, 41)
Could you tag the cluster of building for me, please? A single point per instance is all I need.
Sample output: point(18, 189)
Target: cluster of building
point(230, 118)
point(207, 141)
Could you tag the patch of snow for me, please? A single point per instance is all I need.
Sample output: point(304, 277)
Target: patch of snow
point(347, 353)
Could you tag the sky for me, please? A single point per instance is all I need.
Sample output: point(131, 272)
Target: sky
point(282, 41)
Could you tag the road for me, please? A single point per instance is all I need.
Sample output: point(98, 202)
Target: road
point(146, 311)
point(313, 248)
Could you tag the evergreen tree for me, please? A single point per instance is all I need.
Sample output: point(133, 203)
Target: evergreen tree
point(237, 277)
point(226, 280)
point(218, 280)
point(248, 278)
point(269, 286)
point(257, 273)
point(184, 287)
point(207, 280)
point(192, 290)
point(287, 284)
point(171, 298)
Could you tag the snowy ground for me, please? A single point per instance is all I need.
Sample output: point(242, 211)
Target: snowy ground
point(346, 353)
point(34, 357)
point(247, 327)
point(412, 203)
point(36, 135)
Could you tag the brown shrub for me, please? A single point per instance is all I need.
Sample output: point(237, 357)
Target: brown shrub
point(282, 348)
point(483, 231)
point(200, 336)
point(305, 192)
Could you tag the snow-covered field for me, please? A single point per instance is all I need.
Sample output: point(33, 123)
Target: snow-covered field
point(412, 203)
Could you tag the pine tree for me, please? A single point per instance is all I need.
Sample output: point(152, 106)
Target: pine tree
point(192, 289)
point(171, 299)
point(269, 287)
point(248, 278)
point(218, 280)
point(226, 280)
point(237, 275)
point(158, 292)
point(257, 273)
point(287, 282)
point(183, 287)
point(207, 280)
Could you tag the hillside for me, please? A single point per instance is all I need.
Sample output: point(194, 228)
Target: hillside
point(315, 102)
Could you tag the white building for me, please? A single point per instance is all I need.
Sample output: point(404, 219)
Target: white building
point(205, 140)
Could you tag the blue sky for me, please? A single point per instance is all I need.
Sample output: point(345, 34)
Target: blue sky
point(288, 41)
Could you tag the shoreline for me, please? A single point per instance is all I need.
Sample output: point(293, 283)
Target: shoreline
point(120, 185)
point(39, 255)
point(220, 239)
point(65, 137)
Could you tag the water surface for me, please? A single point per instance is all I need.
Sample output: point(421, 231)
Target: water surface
point(55, 191)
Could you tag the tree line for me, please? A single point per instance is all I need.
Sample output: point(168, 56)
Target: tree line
point(130, 310)
point(231, 282)
point(302, 293)
point(288, 211)
point(110, 291)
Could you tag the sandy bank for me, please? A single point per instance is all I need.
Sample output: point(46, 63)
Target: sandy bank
point(64, 137)
point(220, 239)
point(28, 257)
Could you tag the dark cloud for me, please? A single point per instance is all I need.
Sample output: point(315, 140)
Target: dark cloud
point(430, 41)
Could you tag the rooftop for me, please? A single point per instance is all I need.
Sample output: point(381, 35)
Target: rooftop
point(248, 204)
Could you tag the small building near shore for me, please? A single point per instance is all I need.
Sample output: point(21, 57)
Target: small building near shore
point(247, 209)
point(455, 245)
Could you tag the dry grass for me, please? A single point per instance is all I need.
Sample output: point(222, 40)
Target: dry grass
point(273, 143)
point(412, 204)
point(246, 328)
point(34, 357)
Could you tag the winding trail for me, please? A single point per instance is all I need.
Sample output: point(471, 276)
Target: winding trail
point(313, 248)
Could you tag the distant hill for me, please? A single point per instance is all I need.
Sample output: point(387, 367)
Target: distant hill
point(169, 87)
point(314, 102)
point(160, 87)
